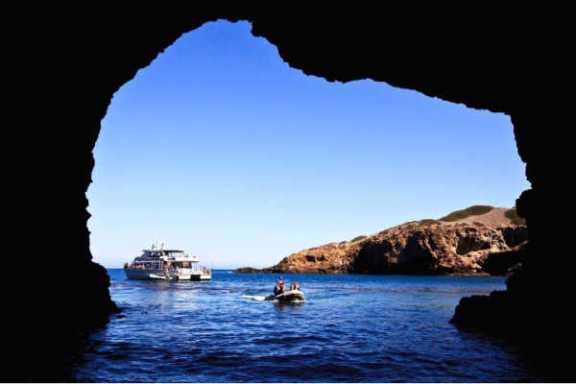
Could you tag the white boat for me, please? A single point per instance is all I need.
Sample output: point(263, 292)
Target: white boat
point(158, 263)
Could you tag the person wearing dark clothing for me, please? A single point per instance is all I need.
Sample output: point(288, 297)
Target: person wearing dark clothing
point(279, 288)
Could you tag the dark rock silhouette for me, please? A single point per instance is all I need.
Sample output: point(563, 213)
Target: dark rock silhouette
point(500, 263)
point(70, 63)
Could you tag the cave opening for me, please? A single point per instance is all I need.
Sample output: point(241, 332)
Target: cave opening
point(266, 146)
point(295, 181)
point(498, 62)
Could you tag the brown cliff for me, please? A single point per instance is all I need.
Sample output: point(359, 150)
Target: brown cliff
point(463, 242)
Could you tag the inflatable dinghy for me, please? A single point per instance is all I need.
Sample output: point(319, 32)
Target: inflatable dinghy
point(288, 296)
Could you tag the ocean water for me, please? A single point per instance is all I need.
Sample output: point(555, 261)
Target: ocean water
point(351, 328)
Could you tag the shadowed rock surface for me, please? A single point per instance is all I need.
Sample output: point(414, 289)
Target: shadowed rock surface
point(71, 63)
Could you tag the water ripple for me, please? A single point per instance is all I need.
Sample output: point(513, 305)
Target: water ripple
point(351, 328)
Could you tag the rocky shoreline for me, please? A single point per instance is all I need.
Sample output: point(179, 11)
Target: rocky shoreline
point(479, 240)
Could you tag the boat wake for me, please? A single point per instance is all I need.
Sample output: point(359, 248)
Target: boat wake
point(254, 297)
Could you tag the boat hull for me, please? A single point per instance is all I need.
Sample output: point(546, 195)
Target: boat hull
point(200, 277)
point(142, 274)
point(139, 274)
point(293, 296)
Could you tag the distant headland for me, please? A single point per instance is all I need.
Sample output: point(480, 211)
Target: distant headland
point(480, 239)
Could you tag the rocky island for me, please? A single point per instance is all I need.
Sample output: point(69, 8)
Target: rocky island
point(477, 240)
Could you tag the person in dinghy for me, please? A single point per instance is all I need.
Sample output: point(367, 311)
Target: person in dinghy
point(286, 296)
point(279, 287)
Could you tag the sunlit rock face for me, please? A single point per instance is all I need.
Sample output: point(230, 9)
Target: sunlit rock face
point(487, 65)
point(420, 247)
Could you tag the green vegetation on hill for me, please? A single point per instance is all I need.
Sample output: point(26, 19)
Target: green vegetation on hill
point(358, 238)
point(428, 221)
point(514, 218)
point(474, 210)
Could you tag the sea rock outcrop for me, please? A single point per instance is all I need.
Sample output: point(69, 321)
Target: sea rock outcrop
point(487, 242)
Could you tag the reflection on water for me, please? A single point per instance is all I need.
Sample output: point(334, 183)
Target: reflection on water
point(351, 328)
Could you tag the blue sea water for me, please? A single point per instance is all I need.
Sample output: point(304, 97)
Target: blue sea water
point(351, 328)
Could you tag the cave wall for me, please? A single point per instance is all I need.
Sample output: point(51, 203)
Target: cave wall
point(483, 62)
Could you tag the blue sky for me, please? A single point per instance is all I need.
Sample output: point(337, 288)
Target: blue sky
point(221, 149)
